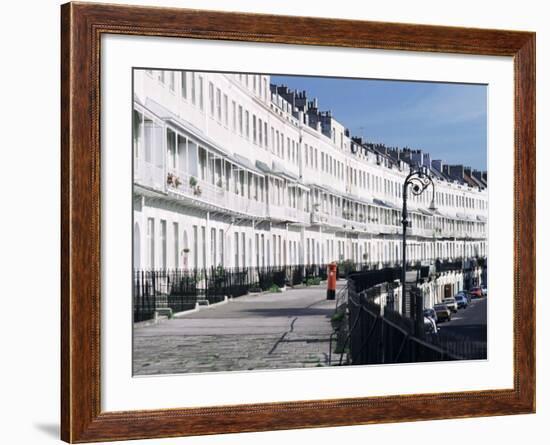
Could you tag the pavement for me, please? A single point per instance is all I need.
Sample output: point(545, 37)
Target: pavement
point(290, 329)
point(469, 328)
point(470, 322)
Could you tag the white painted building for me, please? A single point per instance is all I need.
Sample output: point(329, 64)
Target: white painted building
point(230, 171)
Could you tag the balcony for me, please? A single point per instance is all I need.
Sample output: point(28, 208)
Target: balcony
point(149, 175)
point(420, 231)
point(203, 192)
point(288, 214)
point(459, 233)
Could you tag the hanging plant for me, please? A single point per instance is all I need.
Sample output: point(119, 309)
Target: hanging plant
point(170, 179)
point(192, 181)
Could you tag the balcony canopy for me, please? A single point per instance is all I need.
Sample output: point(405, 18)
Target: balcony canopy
point(279, 170)
point(245, 163)
point(386, 204)
point(184, 126)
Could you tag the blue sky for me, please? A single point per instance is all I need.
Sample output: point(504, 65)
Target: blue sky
point(447, 120)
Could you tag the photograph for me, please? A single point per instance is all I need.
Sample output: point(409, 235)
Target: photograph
point(283, 221)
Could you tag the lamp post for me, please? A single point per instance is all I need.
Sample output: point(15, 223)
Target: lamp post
point(419, 180)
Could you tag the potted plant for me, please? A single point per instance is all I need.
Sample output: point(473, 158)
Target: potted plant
point(198, 190)
point(177, 182)
point(192, 182)
point(170, 179)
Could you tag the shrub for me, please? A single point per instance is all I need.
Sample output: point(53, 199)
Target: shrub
point(313, 281)
point(274, 288)
point(345, 267)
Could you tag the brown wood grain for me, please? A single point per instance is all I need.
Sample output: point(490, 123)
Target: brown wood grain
point(81, 28)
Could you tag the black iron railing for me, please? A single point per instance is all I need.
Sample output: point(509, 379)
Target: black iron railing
point(181, 290)
point(382, 335)
point(377, 337)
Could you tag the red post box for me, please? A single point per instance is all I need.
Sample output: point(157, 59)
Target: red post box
point(331, 281)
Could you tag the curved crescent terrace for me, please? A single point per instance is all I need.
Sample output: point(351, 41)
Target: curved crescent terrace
point(241, 185)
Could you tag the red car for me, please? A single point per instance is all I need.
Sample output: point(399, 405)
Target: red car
point(476, 292)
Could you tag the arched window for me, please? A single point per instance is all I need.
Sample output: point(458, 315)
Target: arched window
point(137, 246)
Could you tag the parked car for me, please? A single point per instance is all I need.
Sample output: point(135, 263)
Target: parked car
point(443, 312)
point(461, 301)
point(466, 294)
point(484, 291)
point(476, 292)
point(430, 326)
point(451, 304)
point(430, 313)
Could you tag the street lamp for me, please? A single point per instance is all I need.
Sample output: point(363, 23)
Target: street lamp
point(419, 180)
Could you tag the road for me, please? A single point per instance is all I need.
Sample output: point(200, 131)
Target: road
point(467, 331)
point(275, 330)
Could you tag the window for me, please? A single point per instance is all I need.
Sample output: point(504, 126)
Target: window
point(203, 242)
point(257, 246)
point(288, 148)
point(274, 250)
point(241, 119)
point(263, 249)
point(171, 146)
point(211, 97)
point(161, 76)
point(247, 123)
point(225, 110)
point(201, 93)
point(243, 245)
point(193, 89)
point(213, 247)
point(234, 115)
point(254, 128)
point(151, 242)
point(176, 245)
point(172, 80)
point(260, 132)
point(236, 249)
point(184, 84)
point(265, 134)
point(195, 246)
point(219, 104)
point(148, 136)
point(137, 133)
point(221, 238)
point(163, 244)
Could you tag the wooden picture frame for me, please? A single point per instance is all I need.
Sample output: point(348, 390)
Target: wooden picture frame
point(82, 26)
